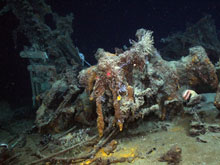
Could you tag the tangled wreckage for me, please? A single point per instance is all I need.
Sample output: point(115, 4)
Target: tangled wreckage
point(121, 89)
point(129, 85)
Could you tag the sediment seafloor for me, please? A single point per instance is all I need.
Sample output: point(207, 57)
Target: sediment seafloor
point(143, 142)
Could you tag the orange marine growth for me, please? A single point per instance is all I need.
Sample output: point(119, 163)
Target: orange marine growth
point(130, 92)
point(91, 79)
point(118, 114)
point(100, 118)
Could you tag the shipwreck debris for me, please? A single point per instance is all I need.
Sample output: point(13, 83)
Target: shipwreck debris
point(202, 33)
point(138, 82)
point(173, 156)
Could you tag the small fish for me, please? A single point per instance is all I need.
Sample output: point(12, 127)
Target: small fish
point(119, 97)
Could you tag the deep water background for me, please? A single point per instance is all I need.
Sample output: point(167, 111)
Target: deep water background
point(97, 24)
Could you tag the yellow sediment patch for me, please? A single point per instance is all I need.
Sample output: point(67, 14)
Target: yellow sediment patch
point(126, 153)
point(123, 153)
point(176, 129)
